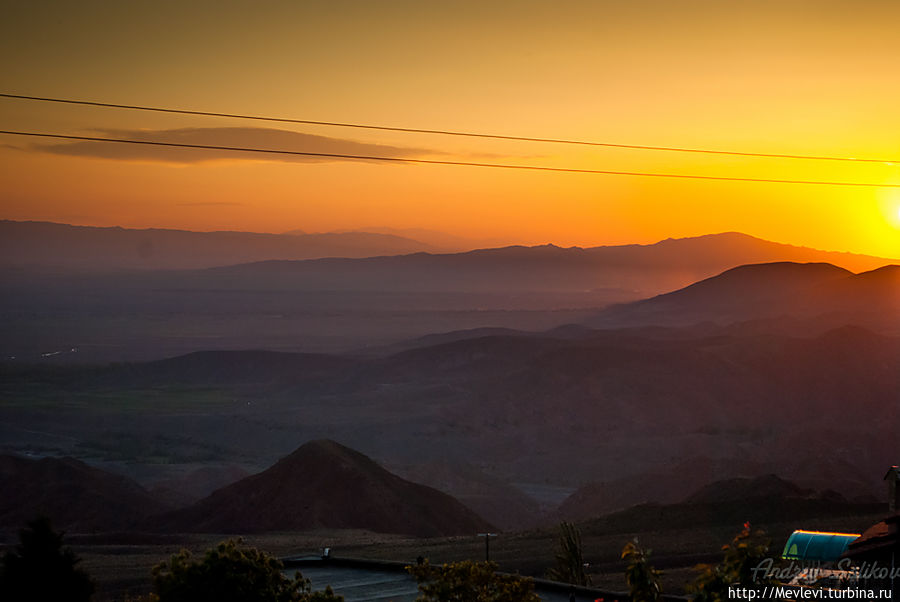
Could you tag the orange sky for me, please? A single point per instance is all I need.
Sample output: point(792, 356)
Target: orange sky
point(812, 78)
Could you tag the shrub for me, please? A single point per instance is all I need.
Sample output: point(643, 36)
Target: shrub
point(470, 581)
point(232, 573)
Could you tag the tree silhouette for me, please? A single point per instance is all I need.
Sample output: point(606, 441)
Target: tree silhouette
point(570, 558)
point(41, 569)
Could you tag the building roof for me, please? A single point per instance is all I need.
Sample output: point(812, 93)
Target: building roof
point(817, 545)
point(882, 535)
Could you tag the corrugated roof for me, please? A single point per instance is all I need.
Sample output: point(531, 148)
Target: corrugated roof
point(817, 545)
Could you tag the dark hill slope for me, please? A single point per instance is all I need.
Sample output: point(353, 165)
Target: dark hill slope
point(770, 291)
point(743, 488)
point(326, 485)
point(652, 517)
point(72, 494)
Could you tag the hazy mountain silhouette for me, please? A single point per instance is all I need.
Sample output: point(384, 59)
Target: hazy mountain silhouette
point(437, 238)
point(745, 488)
point(326, 485)
point(188, 488)
point(650, 269)
point(45, 244)
point(72, 494)
point(760, 500)
point(771, 291)
point(498, 502)
point(664, 485)
point(329, 304)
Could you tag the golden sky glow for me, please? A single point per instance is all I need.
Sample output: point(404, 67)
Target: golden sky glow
point(812, 78)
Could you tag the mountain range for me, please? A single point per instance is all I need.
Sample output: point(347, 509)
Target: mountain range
point(324, 485)
point(54, 245)
point(724, 389)
point(86, 313)
point(568, 406)
point(668, 264)
point(646, 269)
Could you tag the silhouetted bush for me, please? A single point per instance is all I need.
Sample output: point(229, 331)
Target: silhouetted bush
point(746, 551)
point(470, 581)
point(231, 573)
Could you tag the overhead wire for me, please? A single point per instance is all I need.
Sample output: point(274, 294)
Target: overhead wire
point(436, 161)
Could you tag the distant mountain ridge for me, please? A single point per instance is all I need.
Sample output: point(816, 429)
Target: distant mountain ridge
point(48, 244)
point(643, 270)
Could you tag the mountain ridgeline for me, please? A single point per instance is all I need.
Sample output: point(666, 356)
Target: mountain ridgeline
point(335, 301)
point(62, 246)
point(383, 261)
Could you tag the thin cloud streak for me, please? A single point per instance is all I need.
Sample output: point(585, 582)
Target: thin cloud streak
point(210, 204)
point(268, 138)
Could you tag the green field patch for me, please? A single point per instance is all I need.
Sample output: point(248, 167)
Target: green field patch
point(43, 396)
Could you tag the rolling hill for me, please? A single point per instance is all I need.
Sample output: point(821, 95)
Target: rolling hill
point(763, 500)
point(812, 292)
point(72, 494)
point(650, 413)
point(326, 485)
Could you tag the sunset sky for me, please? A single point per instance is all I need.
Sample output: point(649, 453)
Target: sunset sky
point(803, 78)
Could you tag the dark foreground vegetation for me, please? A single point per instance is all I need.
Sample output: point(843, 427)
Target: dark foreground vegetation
point(41, 568)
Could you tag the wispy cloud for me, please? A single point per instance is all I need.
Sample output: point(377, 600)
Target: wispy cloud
point(261, 138)
point(210, 204)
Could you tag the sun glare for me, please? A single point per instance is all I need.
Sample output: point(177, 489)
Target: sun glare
point(890, 206)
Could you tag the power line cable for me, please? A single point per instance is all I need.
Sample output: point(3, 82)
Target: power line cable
point(439, 162)
point(448, 132)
